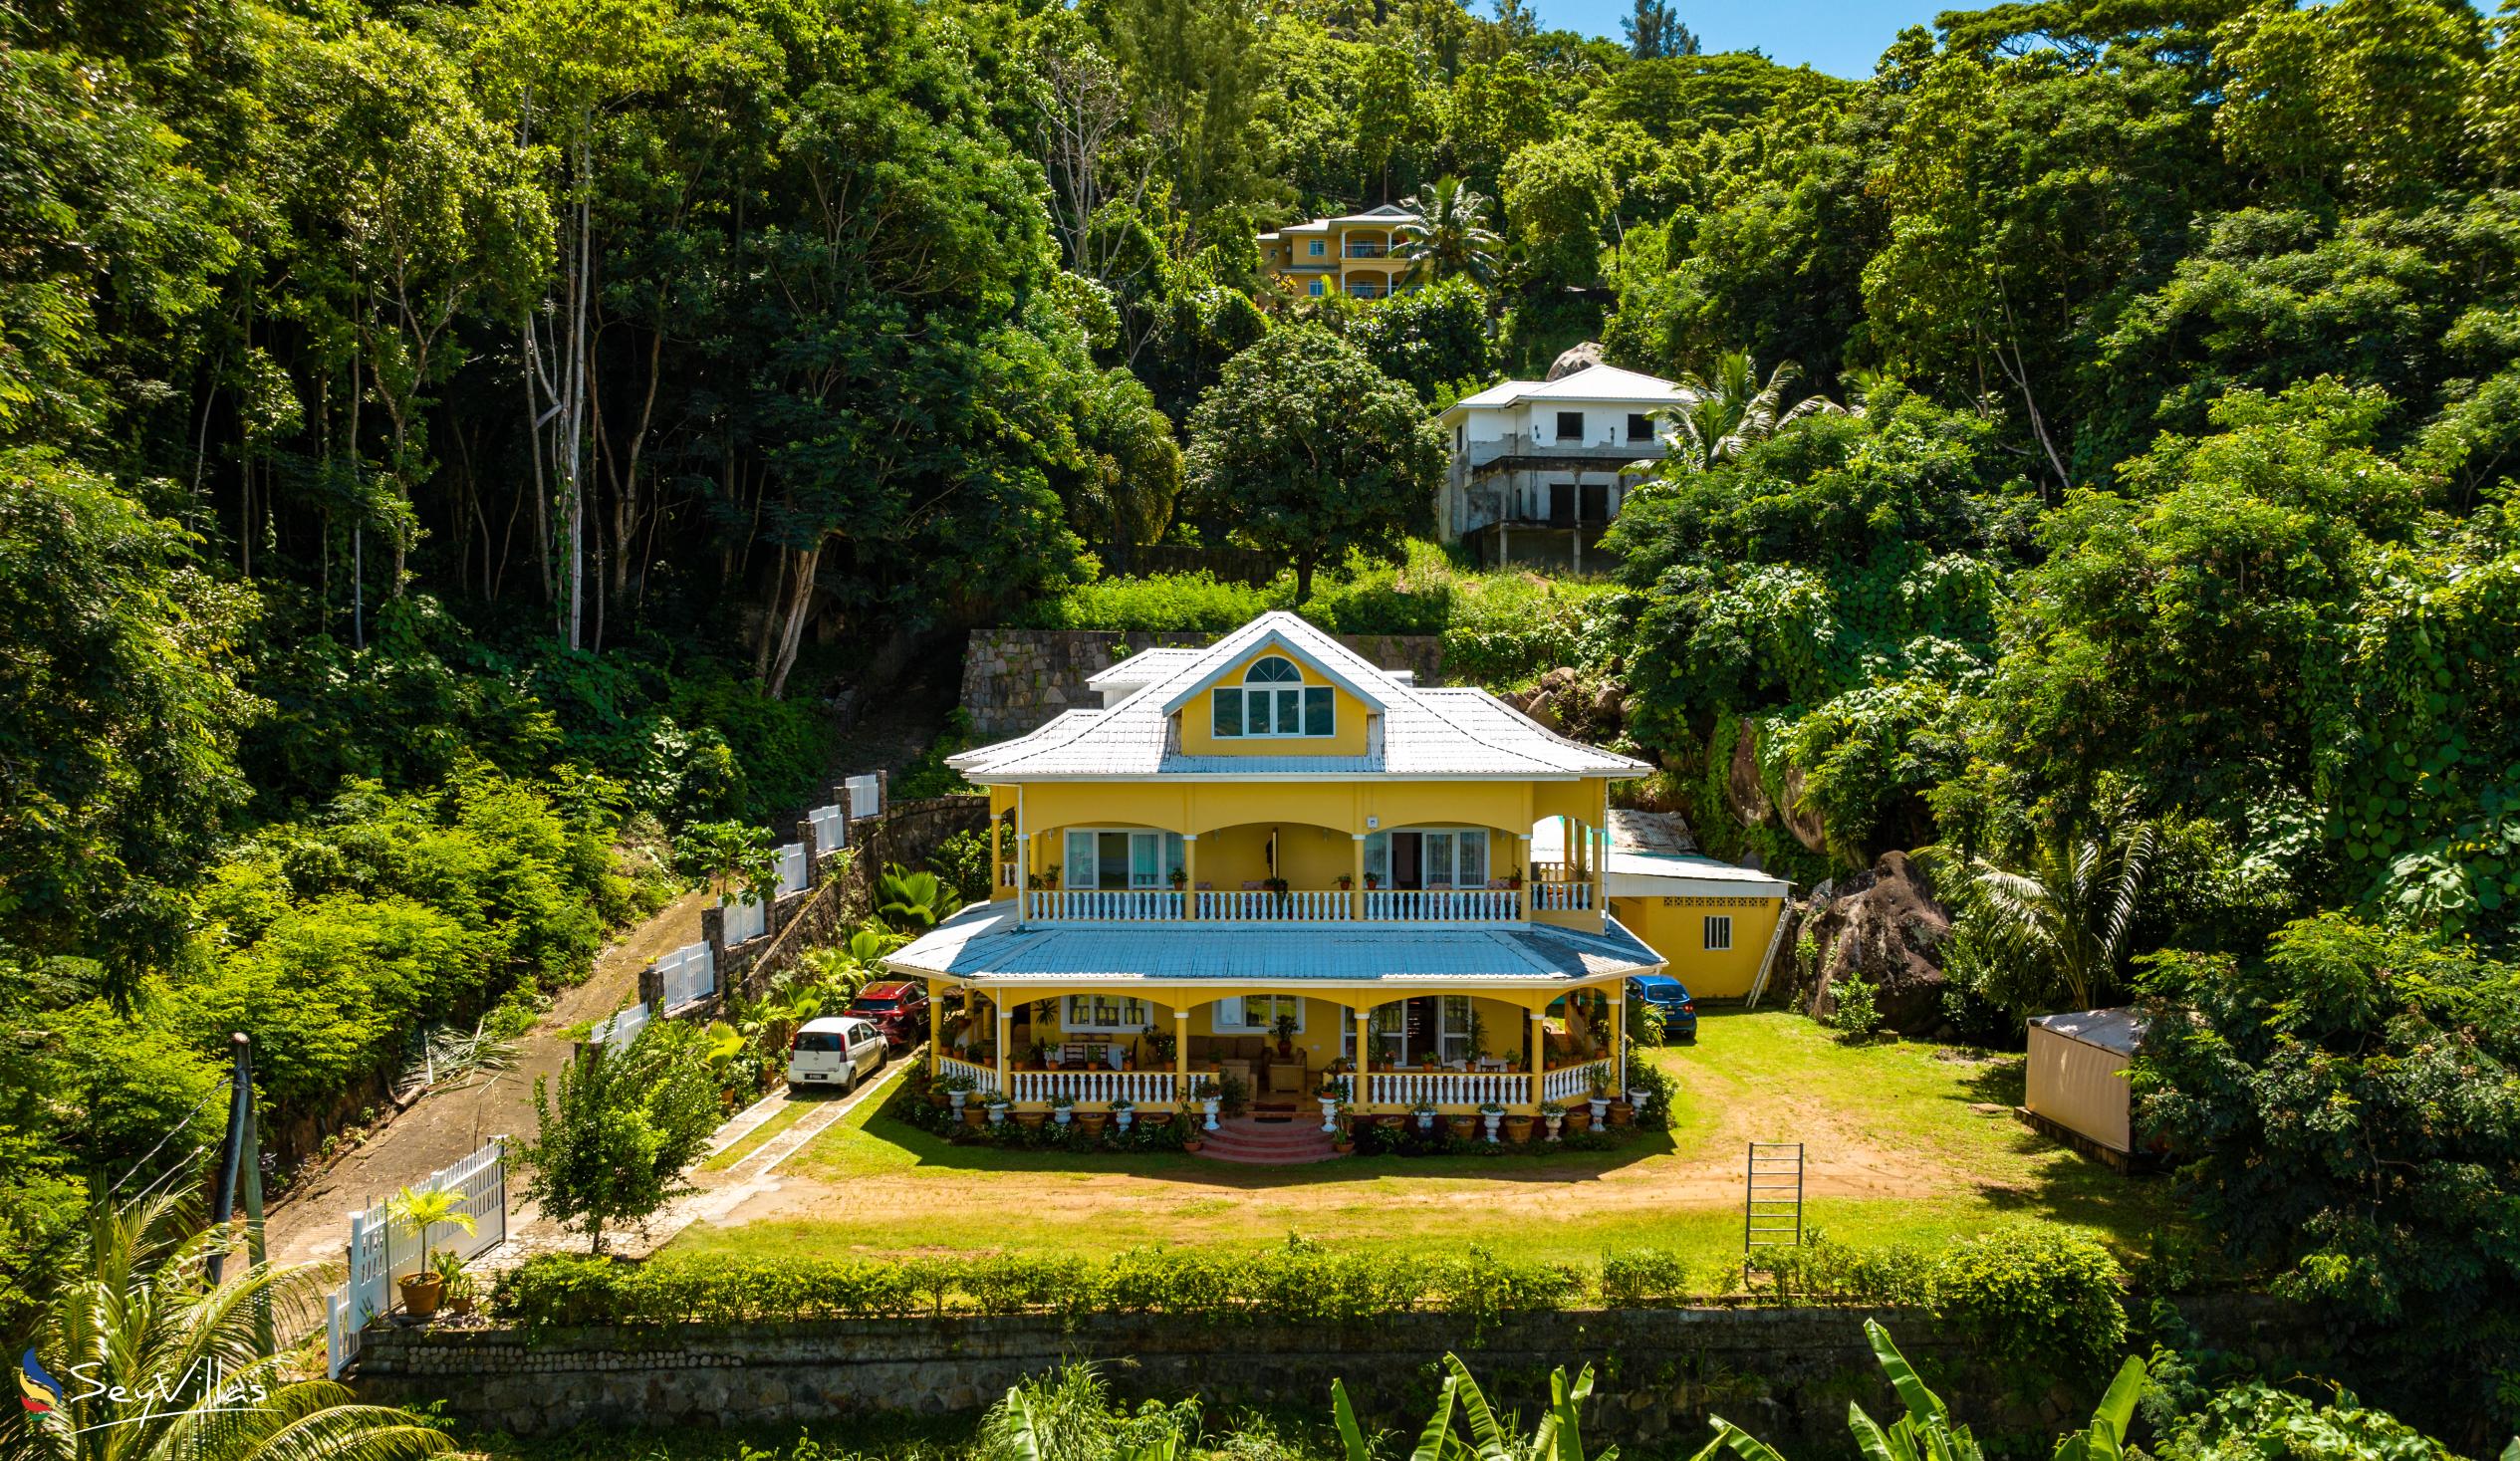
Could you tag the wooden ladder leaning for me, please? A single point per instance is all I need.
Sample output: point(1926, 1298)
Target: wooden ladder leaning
point(1771, 1201)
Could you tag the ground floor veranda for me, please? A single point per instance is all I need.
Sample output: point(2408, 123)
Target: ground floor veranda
point(1377, 1050)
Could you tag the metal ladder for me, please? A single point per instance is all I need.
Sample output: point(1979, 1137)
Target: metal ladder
point(1772, 1200)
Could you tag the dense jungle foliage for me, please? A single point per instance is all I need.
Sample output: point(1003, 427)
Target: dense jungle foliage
point(444, 449)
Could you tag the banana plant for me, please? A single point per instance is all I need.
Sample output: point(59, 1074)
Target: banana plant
point(1927, 1432)
point(1559, 1437)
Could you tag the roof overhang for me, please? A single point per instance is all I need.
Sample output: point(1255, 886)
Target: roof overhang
point(1274, 639)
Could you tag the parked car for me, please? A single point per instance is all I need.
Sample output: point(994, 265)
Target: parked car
point(1680, 1012)
point(897, 1007)
point(829, 1053)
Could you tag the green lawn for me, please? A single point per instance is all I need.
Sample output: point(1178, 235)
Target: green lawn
point(1906, 1142)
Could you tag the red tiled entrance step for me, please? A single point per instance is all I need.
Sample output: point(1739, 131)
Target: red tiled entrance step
point(1273, 1143)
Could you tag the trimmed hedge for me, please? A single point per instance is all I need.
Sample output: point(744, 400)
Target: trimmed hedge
point(1302, 1282)
point(2025, 1291)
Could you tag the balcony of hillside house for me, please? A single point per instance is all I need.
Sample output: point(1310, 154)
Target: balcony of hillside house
point(1366, 250)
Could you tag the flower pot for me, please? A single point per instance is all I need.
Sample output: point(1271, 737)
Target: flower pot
point(938, 1097)
point(1095, 1122)
point(972, 1116)
point(1329, 1114)
point(957, 1099)
point(1208, 1104)
point(421, 1292)
point(1425, 1121)
point(1518, 1130)
point(1343, 1147)
point(1192, 1144)
point(1064, 1115)
point(1031, 1121)
point(1493, 1120)
point(1123, 1119)
point(1578, 1120)
point(1158, 1118)
point(1601, 1111)
point(1554, 1123)
point(1621, 1116)
point(1640, 1098)
point(997, 1115)
point(1286, 1050)
point(1461, 1127)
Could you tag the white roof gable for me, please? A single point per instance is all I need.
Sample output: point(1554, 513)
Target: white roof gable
point(1597, 382)
point(1427, 732)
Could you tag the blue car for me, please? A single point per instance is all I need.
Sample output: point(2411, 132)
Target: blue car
point(1680, 1012)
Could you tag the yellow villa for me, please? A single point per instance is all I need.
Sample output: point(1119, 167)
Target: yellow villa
point(1272, 860)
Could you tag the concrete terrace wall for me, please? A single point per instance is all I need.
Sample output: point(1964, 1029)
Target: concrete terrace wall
point(1786, 1375)
point(1015, 680)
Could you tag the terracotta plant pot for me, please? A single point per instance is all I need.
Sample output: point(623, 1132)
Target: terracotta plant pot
point(1579, 1119)
point(973, 1115)
point(1094, 1121)
point(1155, 1119)
point(1461, 1127)
point(460, 1306)
point(935, 1096)
point(1031, 1121)
point(1190, 1146)
point(1620, 1115)
point(420, 1294)
point(1518, 1130)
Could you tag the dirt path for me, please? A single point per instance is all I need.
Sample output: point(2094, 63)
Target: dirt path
point(447, 1125)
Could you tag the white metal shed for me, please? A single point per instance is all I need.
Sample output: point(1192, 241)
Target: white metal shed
point(2078, 1072)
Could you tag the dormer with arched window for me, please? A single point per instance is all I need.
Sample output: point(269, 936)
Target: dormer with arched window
point(1273, 701)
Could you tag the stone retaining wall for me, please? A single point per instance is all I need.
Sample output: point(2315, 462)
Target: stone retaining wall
point(1015, 680)
point(1786, 1375)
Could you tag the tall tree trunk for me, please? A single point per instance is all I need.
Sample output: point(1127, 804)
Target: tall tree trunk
point(800, 599)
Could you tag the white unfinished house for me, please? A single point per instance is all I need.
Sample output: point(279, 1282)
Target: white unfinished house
point(1539, 467)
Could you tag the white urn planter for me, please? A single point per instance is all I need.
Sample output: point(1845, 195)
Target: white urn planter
point(997, 1113)
point(1639, 1098)
point(955, 1099)
point(1329, 1113)
point(1122, 1115)
point(1209, 1104)
point(1425, 1121)
point(1494, 1119)
point(1554, 1123)
point(1063, 1114)
point(1601, 1111)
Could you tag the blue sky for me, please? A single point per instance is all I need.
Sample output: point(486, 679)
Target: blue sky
point(1841, 37)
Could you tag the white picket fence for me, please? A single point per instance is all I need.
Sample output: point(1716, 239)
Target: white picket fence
point(1448, 1087)
point(794, 874)
point(378, 1256)
point(622, 1026)
point(830, 829)
point(686, 976)
point(865, 795)
point(746, 921)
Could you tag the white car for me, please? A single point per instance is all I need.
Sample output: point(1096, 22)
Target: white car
point(830, 1053)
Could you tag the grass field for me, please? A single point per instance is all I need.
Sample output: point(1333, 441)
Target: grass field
point(1905, 1142)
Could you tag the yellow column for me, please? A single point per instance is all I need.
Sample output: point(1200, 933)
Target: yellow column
point(1190, 874)
point(1005, 1033)
point(1617, 996)
point(1539, 1057)
point(1355, 899)
point(1365, 1057)
point(997, 853)
point(1181, 1061)
point(935, 1026)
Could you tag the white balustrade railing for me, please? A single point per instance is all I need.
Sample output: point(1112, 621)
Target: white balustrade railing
point(1445, 905)
point(982, 1078)
point(1448, 1087)
point(1561, 898)
point(1104, 905)
point(1259, 906)
point(746, 921)
point(1006, 874)
point(1091, 1087)
point(1574, 1082)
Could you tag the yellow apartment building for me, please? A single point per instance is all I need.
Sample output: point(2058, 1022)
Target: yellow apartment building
point(1355, 254)
point(1272, 859)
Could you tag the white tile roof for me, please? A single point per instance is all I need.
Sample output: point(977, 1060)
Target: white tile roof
point(988, 944)
point(1142, 669)
point(1427, 732)
point(1594, 383)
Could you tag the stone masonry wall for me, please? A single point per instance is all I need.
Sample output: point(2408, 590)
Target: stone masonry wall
point(1785, 1375)
point(1015, 680)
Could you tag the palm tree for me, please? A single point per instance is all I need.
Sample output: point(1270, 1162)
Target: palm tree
point(1721, 417)
point(2074, 909)
point(1449, 235)
point(184, 1354)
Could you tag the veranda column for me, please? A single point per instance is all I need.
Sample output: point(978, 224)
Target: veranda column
point(1539, 1057)
point(997, 852)
point(935, 1026)
point(1364, 1056)
point(1005, 1033)
point(1190, 876)
point(1356, 893)
point(1181, 1061)
point(1601, 855)
point(1617, 996)
point(1524, 871)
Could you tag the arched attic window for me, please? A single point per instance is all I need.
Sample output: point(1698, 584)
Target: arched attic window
point(1273, 701)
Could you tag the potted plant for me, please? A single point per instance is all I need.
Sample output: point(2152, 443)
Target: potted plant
point(1064, 1107)
point(1553, 1115)
point(1124, 1111)
point(413, 1214)
point(1639, 1097)
point(1347, 882)
point(1330, 1098)
point(997, 1105)
point(1160, 1043)
point(1180, 878)
point(1461, 1125)
point(1514, 879)
point(456, 1288)
point(1425, 1060)
point(1208, 1094)
point(1372, 881)
point(1424, 1111)
point(957, 1093)
point(1518, 1129)
point(1600, 1100)
point(1278, 885)
point(1344, 1141)
point(1578, 1116)
point(1283, 1027)
point(1494, 1115)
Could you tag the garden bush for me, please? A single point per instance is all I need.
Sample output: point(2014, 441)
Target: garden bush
point(2048, 1294)
point(1645, 1278)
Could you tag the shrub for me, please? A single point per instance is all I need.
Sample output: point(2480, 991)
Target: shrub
point(1643, 1278)
point(2047, 1296)
point(1853, 1012)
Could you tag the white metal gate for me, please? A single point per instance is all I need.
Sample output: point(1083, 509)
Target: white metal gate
point(378, 1256)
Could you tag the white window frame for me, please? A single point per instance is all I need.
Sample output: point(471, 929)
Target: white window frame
point(1127, 1025)
point(1715, 934)
point(1377, 855)
point(1169, 853)
point(1237, 1007)
point(1274, 695)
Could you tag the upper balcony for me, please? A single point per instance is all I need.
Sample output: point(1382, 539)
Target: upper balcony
point(1365, 249)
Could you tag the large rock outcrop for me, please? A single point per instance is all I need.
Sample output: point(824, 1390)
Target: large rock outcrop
point(1884, 925)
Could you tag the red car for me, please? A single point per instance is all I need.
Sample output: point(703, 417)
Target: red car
point(897, 1007)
